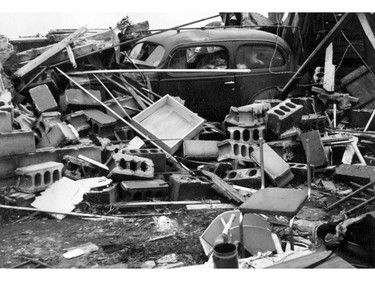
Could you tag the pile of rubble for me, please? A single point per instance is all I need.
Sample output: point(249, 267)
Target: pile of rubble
point(116, 141)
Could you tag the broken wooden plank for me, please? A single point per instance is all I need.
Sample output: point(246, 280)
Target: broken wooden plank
point(224, 188)
point(367, 28)
point(202, 207)
point(159, 204)
point(334, 32)
point(50, 52)
point(329, 70)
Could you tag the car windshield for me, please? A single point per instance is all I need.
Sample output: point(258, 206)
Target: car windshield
point(146, 53)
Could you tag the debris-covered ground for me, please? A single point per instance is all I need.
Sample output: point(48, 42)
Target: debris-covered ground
point(97, 170)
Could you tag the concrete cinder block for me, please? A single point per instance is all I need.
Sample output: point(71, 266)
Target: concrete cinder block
point(283, 116)
point(186, 187)
point(131, 167)
point(318, 156)
point(231, 149)
point(8, 164)
point(156, 155)
point(8, 108)
point(355, 173)
point(101, 123)
point(313, 122)
point(244, 177)
point(16, 142)
point(78, 120)
point(307, 103)
point(200, 150)
point(249, 115)
point(145, 189)
point(5, 122)
point(42, 98)
point(107, 195)
point(36, 178)
point(124, 133)
point(275, 167)
point(76, 99)
point(249, 135)
point(60, 134)
point(45, 123)
point(299, 171)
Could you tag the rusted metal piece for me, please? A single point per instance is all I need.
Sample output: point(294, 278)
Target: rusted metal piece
point(350, 195)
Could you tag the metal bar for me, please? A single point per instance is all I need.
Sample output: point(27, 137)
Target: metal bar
point(263, 181)
point(308, 159)
point(106, 71)
point(57, 212)
point(109, 92)
point(335, 31)
point(169, 156)
point(350, 195)
point(360, 205)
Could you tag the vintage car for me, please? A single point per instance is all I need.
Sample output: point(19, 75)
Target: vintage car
point(211, 94)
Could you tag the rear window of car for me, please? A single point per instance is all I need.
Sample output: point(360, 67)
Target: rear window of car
point(258, 57)
point(147, 53)
point(200, 57)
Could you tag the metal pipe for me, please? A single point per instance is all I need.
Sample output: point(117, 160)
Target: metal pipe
point(117, 102)
point(263, 184)
point(163, 70)
point(308, 168)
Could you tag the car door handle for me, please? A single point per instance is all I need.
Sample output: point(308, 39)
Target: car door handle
point(229, 83)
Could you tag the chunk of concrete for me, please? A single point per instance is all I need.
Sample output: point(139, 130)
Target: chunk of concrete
point(283, 116)
point(145, 189)
point(131, 167)
point(16, 142)
point(274, 166)
point(318, 157)
point(249, 135)
point(42, 98)
point(231, 149)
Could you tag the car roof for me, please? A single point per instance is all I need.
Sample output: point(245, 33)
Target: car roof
point(179, 37)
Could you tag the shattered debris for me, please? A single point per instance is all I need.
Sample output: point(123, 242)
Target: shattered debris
point(83, 133)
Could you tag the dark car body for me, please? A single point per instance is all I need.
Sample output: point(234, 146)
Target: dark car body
point(211, 94)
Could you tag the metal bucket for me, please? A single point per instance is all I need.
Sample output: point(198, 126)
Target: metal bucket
point(225, 256)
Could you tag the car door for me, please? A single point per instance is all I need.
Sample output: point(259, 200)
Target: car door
point(209, 94)
point(271, 67)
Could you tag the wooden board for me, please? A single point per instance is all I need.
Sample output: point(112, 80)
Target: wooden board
point(49, 53)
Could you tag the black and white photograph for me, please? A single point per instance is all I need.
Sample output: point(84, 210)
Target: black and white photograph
point(147, 139)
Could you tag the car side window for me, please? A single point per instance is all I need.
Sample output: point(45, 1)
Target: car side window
point(258, 56)
point(200, 57)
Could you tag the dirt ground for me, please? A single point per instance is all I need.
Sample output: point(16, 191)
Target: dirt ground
point(122, 244)
point(131, 243)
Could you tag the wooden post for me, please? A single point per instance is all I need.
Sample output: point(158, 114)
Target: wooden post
point(329, 70)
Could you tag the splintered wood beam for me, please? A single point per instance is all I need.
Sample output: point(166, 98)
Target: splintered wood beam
point(329, 70)
point(335, 31)
point(71, 56)
point(367, 28)
point(50, 52)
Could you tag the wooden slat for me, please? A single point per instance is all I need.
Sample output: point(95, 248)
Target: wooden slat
point(49, 53)
point(367, 28)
